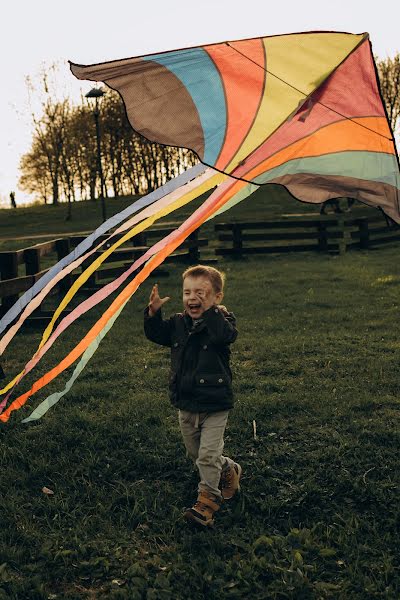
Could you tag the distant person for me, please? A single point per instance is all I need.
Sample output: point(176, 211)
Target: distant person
point(200, 382)
point(12, 200)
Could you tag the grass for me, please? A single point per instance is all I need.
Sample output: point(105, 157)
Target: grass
point(40, 221)
point(315, 366)
point(36, 221)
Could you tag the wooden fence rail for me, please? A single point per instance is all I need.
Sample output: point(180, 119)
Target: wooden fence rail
point(331, 234)
point(188, 252)
point(12, 283)
point(291, 234)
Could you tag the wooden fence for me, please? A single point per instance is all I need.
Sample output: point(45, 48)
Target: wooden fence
point(122, 257)
point(323, 234)
point(12, 283)
point(292, 234)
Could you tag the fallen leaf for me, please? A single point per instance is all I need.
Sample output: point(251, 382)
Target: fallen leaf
point(47, 491)
point(340, 563)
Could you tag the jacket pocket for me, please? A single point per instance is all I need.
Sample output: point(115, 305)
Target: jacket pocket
point(213, 379)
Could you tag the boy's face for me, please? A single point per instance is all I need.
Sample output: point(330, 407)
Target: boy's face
point(199, 295)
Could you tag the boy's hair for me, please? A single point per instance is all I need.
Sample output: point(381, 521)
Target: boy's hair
point(216, 278)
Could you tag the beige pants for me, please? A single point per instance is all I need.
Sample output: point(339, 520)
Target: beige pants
point(203, 435)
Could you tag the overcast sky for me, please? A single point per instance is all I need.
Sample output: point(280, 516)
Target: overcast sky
point(34, 32)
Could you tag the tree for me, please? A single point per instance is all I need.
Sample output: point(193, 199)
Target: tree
point(83, 131)
point(35, 177)
point(62, 161)
point(50, 127)
point(389, 76)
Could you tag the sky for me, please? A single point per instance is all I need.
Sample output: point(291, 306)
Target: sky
point(38, 33)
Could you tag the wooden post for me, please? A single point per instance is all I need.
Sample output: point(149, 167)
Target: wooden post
point(364, 233)
point(322, 237)
point(342, 242)
point(8, 270)
point(140, 239)
point(32, 261)
point(237, 240)
point(63, 248)
point(194, 254)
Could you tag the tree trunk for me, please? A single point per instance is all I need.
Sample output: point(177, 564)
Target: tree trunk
point(55, 192)
point(69, 210)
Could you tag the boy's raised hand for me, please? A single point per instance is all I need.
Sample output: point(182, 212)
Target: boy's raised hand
point(223, 309)
point(155, 302)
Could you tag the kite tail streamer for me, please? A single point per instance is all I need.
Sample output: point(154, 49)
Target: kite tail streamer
point(87, 355)
point(171, 185)
point(224, 193)
point(172, 198)
point(96, 263)
point(207, 181)
point(104, 292)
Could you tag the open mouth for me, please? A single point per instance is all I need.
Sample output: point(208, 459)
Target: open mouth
point(194, 307)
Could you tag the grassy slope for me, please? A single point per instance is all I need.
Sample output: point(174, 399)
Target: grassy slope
point(315, 366)
point(268, 201)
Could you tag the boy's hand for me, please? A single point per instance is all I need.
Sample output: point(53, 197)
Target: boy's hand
point(223, 309)
point(155, 302)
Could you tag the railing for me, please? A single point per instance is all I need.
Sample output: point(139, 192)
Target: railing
point(122, 257)
point(322, 234)
point(12, 283)
point(291, 234)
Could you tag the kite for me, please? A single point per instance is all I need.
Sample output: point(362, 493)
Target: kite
point(301, 110)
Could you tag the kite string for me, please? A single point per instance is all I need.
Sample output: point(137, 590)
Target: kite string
point(307, 95)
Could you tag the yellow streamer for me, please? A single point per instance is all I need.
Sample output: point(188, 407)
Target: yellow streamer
point(192, 195)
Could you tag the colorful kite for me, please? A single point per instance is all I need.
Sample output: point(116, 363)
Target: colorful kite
point(300, 110)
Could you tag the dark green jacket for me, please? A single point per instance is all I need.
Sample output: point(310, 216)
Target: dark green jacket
point(200, 379)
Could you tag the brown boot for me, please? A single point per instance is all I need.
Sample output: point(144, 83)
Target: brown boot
point(202, 512)
point(229, 482)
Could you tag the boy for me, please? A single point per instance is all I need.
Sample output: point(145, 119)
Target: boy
point(200, 381)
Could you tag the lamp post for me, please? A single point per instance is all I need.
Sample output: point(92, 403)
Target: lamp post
point(97, 93)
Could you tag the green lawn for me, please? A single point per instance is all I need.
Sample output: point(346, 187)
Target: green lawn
point(315, 366)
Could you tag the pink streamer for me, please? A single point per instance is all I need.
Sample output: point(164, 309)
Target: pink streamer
point(150, 210)
point(100, 295)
